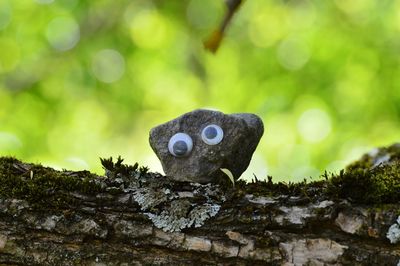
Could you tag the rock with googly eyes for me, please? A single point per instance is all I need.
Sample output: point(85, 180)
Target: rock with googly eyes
point(195, 146)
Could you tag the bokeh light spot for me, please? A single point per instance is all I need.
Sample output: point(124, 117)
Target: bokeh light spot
point(63, 33)
point(314, 125)
point(9, 142)
point(293, 53)
point(267, 26)
point(108, 65)
point(5, 14)
point(149, 29)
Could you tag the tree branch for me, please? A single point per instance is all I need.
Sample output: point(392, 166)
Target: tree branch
point(131, 216)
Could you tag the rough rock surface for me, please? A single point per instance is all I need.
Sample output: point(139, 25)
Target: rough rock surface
point(241, 135)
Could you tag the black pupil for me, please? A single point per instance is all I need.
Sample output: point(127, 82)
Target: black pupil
point(210, 132)
point(180, 148)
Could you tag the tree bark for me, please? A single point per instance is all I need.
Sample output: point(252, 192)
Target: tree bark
point(117, 220)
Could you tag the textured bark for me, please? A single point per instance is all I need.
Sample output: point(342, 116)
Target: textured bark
point(293, 226)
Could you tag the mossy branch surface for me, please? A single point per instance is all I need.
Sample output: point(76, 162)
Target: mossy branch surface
point(50, 217)
point(43, 185)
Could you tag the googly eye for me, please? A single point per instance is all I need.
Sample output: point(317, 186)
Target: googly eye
point(212, 134)
point(180, 144)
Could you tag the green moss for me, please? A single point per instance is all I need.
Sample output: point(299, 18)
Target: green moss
point(374, 179)
point(304, 190)
point(367, 161)
point(118, 169)
point(43, 186)
point(364, 181)
point(375, 185)
point(38, 184)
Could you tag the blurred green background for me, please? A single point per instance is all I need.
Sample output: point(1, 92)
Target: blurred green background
point(81, 80)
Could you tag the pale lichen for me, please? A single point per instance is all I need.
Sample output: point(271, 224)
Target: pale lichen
point(148, 198)
point(172, 208)
point(393, 233)
point(183, 214)
point(170, 205)
point(50, 222)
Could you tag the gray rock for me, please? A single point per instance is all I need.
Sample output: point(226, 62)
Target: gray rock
point(195, 146)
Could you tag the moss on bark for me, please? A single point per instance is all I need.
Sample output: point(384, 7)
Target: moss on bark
point(53, 217)
point(364, 181)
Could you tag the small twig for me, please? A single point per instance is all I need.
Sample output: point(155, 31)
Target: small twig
point(213, 42)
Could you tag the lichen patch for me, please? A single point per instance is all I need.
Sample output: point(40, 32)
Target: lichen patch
point(393, 233)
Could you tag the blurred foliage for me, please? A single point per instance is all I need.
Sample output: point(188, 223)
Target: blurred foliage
point(86, 79)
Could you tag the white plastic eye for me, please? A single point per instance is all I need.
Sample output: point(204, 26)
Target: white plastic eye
point(212, 134)
point(180, 144)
